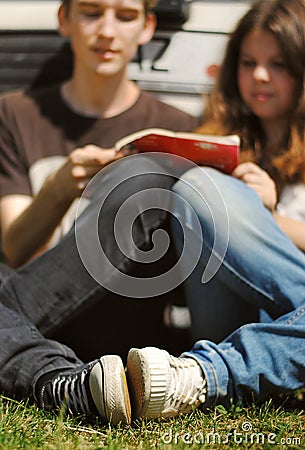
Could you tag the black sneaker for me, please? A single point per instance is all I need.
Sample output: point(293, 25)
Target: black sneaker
point(97, 389)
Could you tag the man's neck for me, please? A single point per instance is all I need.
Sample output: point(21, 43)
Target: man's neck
point(105, 97)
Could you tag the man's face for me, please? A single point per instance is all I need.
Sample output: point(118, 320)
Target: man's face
point(105, 34)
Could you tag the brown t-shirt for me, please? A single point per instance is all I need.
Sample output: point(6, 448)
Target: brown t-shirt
point(37, 128)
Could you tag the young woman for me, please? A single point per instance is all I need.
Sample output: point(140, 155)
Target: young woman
point(260, 97)
point(257, 217)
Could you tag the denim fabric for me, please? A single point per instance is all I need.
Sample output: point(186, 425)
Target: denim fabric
point(261, 270)
point(52, 304)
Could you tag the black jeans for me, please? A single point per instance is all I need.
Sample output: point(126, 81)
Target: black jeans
point(54, 314)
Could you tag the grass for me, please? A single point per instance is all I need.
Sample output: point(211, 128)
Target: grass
point(270, 425)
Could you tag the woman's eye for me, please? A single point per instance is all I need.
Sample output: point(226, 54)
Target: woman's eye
point(247, 63)
point(279, 64)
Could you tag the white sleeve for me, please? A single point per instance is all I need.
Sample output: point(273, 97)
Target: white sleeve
point(38, 174)
point(292, 202)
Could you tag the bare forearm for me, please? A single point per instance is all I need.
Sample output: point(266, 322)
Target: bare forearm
point(29, 234)
point(293, 228)
point(25, 232)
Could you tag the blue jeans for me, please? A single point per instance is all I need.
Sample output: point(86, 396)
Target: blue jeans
point(259, 269)
point(55, 315)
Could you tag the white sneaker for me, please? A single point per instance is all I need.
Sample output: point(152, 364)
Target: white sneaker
point(161, 385)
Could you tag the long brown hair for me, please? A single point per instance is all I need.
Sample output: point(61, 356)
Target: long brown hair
point(226, 112)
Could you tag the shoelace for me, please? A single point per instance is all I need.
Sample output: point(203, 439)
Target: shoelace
point(71, 390)
point(188, 388)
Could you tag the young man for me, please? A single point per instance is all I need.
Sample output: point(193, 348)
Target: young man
point(53, 141)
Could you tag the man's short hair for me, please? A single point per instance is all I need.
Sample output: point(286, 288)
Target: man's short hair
point(148, 4)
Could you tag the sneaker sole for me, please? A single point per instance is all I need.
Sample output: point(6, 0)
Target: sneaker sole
point(148, 374)
point(109, 390)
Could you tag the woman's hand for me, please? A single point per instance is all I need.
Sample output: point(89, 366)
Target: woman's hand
point(259, 180)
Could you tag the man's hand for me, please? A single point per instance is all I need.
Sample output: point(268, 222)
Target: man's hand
point(259, 180)
point(27, 223)
point(82, 165)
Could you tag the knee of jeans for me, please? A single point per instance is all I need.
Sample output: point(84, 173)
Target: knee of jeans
point(130, 187)
point(203, 185)
point(136, 172)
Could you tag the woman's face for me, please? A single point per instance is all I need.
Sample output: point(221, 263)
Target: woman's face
point(265, 84)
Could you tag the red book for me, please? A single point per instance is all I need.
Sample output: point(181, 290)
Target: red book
point(221, 152)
